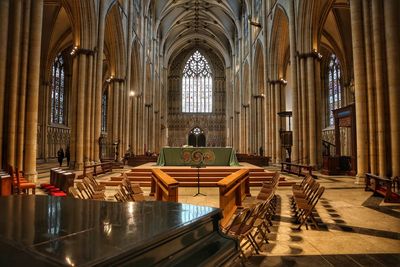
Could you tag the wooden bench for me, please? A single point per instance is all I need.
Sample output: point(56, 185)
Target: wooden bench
point(260, 161)
point(97, 169)
point(298, 169)
point(388, 188)
point(232, 190)
point(163, 186)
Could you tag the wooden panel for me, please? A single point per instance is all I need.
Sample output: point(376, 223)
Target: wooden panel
point(232, 190)
point(163, 186)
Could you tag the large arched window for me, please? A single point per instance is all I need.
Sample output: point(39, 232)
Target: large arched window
point(334, 86)
point(197, 90)
point(58, 91)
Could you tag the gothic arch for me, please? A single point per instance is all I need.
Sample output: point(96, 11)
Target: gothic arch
point(280, 45)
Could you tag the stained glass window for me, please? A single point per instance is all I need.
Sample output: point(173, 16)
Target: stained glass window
point(58, 91)
point(104, 113)
point(334, 86)
point(197, 90)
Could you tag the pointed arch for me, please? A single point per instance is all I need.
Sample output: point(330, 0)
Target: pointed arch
point(197, 85)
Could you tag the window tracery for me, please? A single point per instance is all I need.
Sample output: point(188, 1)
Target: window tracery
point(58, 90)
point(334, 86)
point(197, 88)
point(104, 112)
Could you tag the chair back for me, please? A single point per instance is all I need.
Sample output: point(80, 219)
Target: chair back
point(73, 192)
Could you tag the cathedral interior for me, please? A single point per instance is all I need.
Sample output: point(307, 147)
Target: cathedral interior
point(313, 83)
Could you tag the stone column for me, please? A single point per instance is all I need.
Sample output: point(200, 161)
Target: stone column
point(319, 110)
point(392, 25)
point(370, 86)
point(278, 148)
point(4, 9)
point(312, 136)
point(128, 78)
point(73, 106)
point(121, 117)
point(115, 109)
point(32, 92)
point(379, 61)
point(273, 121)
point(80, 118)
point(22, 84)
point(360, 91)
point(98, 91)
point(88, 107)
point(13, 83)
point(304, 111)
point(293, 69)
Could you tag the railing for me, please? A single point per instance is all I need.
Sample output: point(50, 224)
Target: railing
point(99, 168)
point(298, 169)
point(163, 186)
point(232, 190)
point(384, 186)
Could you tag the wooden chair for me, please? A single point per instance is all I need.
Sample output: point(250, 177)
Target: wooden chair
point(23, 187)
point(91, 188)
point(86, 194)
point(95, 184)
point(308, 209)
point(241, 229)
point(74, 193)
point(119, 197)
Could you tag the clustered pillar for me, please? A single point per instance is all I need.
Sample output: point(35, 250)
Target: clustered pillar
point(376, 42)
point(19, 104)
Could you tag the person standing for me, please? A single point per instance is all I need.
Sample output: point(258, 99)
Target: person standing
point(60, 155)
point(67, 155)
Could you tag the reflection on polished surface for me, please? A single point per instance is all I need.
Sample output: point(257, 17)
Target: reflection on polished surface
point(73, 232)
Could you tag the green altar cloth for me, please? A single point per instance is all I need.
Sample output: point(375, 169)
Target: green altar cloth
point(189, 156)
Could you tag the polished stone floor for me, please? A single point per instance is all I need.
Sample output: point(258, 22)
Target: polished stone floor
point(356, 228)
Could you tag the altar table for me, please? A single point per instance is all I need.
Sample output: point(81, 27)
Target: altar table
point(190, 156)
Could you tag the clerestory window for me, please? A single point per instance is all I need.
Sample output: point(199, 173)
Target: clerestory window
point(197, 93)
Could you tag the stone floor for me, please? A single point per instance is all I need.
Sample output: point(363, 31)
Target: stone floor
point(356, 228)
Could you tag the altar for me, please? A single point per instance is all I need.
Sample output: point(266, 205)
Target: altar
point(189, 156)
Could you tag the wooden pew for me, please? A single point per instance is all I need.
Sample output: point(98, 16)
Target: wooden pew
point(298, 169)
point(260, 161)
point(163, 186)
point(97, 169)
point(388, 188)
point(232, 190)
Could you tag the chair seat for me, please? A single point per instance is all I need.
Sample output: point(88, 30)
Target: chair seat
point(58, 194)
point(44, 185)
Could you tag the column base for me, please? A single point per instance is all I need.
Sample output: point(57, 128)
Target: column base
point(78, 166)
point(360, 179)
point(31, 177)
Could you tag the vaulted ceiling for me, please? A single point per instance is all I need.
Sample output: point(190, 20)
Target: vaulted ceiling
point(210, 24)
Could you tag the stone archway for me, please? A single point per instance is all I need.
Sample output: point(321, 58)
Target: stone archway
point(196, 137)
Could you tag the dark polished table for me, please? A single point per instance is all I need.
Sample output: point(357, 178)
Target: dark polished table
point(55, 231)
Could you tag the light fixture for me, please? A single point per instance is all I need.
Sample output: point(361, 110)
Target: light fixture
point(254, 23)
point(315, 51)
point(110, 79)
point(132, 93)
point(74, 50)
point(283, 81)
